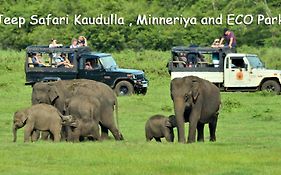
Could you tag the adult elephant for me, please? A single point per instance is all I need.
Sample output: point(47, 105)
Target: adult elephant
point(56, 93)
point(196, 101)
point(106, 113)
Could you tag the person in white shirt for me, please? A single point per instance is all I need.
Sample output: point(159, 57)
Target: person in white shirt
point(54, 44)
point(74, 43)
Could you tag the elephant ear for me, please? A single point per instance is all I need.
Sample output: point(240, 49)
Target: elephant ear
point(173, 121)
point(53, 94)
point(195, 89)
point(22, 115)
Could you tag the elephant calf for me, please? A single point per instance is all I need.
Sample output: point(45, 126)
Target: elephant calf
point(159, 126)
point(40, 117)
point(86, 112)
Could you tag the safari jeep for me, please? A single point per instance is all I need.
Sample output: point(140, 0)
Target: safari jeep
point(83, 63)
point(229, 71)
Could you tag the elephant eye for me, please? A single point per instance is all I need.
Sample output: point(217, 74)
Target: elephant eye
point(186, 97)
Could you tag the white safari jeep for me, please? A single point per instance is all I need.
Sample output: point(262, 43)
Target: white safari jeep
point(229, 71)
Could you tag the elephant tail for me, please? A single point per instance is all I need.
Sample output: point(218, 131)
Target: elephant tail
point(116, 113)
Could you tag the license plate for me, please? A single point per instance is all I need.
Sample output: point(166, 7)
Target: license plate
point(144, 85)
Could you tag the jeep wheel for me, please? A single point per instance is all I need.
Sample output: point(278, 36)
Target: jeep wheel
point(124, 88)
point(271, 86)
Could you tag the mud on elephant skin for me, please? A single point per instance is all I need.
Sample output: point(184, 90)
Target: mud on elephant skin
point(201, 99)
point(159, 126)
point(40, 117)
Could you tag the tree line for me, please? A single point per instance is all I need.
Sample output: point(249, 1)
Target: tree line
point(137, 37)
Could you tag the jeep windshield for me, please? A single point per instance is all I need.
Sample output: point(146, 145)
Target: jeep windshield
point(108, 62)
point(255, 62)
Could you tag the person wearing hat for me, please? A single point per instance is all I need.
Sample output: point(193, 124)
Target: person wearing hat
point(229, 37)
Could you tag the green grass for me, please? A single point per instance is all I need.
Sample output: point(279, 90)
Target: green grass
point(248, 133)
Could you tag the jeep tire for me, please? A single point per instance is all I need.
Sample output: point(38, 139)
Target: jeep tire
point(123, 88)
point(271, 86)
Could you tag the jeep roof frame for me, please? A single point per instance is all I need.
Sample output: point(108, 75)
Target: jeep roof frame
point(179, 49)
point(47, 49)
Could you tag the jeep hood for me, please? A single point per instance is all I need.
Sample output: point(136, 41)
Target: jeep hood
point(128, 71)
point(268, 71)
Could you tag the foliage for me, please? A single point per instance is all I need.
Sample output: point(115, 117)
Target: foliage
point(119, 37)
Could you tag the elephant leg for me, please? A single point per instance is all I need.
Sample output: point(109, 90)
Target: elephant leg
point(35, 135)
point(192, 132)
point(64, 133)
point(45, 135)
point(212, 129)
point(157, 139)
point(193, 121)
point(168, 136)
point(104, 132)
point(56, 133)
point(181, 130)
point(57, 136)
point(200, 132)
point(75, 135)
point(117, 135)
point(148, 136)
point(109, 122)
point(69, 131)
point(96, 132)
point(51, 136)
point(27, 132)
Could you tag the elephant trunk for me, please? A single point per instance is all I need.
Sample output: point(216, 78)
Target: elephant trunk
point(179, 107)
point(15, 133)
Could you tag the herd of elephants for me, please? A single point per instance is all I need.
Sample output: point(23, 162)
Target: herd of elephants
point(74, 110)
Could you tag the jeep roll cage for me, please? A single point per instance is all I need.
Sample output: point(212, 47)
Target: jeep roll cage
point(177, 50)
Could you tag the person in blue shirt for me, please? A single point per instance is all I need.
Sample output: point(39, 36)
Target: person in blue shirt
point(36, 60)
point(62, 61)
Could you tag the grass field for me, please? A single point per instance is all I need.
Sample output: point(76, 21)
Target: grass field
point(248, 133)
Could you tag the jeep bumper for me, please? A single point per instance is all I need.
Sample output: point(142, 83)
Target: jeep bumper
point(141, 86)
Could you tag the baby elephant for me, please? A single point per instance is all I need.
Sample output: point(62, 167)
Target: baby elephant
point(159, 126)
point(40, 117)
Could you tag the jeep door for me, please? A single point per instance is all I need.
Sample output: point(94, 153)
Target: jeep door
point(237, 72)
point(90, 68)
